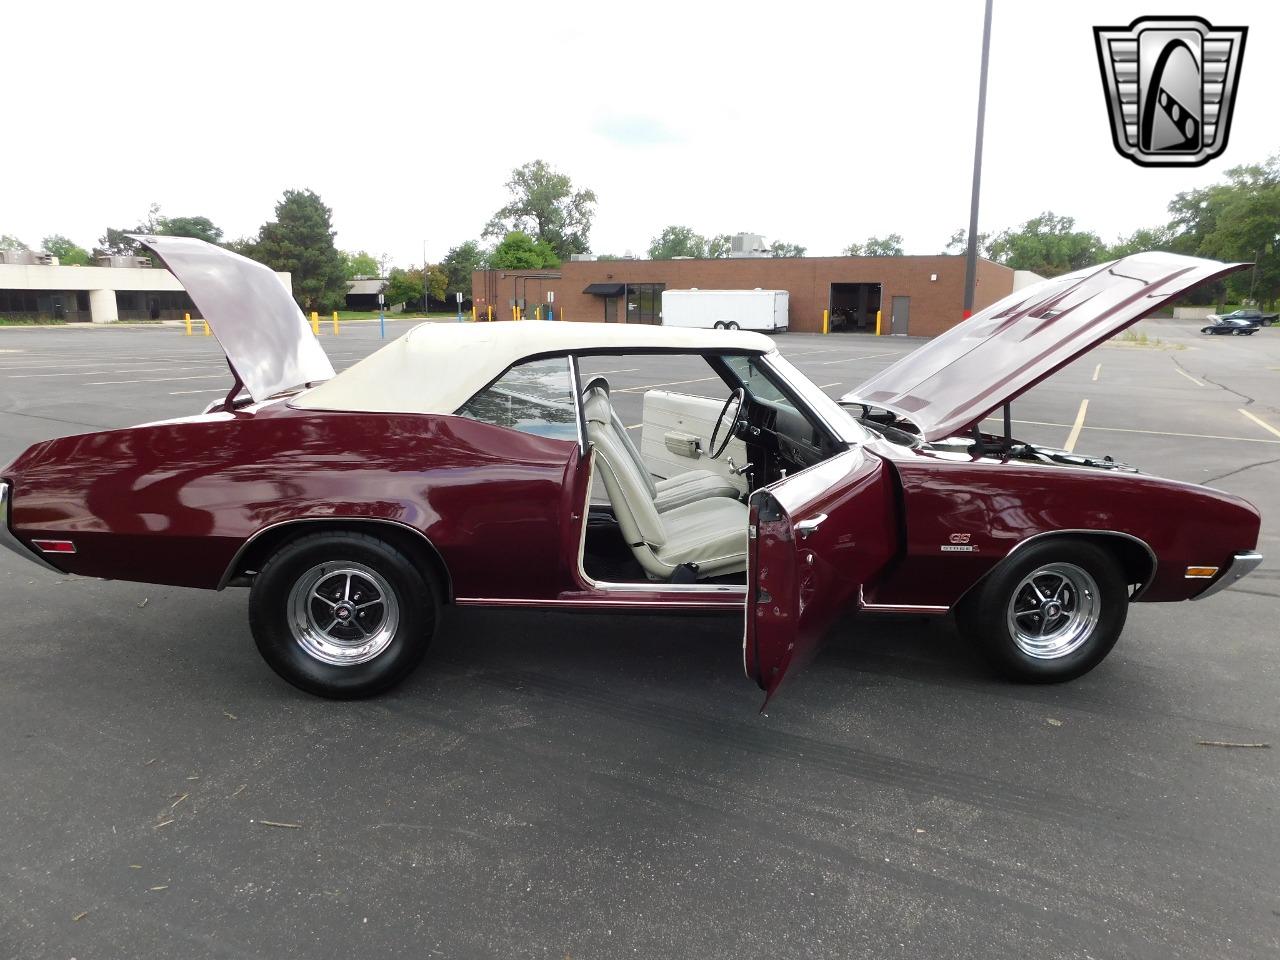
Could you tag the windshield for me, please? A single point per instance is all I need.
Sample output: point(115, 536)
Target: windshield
point(839, 420)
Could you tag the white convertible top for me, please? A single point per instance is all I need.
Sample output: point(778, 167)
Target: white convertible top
point(437, 367)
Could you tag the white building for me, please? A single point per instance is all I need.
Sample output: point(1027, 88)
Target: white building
point(33, 283)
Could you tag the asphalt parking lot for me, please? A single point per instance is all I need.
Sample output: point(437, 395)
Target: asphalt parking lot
point(555, 785)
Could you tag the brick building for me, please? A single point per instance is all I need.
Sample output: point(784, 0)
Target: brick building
point(922, 296)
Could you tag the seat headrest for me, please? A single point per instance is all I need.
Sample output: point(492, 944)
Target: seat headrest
point(595, 403)
point(596, 383)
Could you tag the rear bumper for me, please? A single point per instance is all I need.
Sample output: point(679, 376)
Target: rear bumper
point(1241, 565)
point(8, 540)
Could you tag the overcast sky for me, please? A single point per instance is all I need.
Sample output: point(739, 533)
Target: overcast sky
point(815, 123)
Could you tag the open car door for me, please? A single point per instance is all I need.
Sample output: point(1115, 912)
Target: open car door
point(814, 539)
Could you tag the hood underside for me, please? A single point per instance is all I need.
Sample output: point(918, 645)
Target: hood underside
point(957, 378)
point(252, 313)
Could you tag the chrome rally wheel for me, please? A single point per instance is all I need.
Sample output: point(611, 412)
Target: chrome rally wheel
point(343, 614)
point(1053, 611)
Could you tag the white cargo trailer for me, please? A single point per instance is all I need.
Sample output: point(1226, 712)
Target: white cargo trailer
point(764, 310)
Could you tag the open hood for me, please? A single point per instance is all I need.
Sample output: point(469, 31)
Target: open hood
point(956, 379)
point(266, 338)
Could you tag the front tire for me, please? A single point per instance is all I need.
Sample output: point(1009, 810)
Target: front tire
point(342, 615)
point(1049, 614)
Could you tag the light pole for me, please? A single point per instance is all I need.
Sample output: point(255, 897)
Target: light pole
point(971, 253)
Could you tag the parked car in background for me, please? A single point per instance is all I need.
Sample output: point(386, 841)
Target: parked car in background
point(763, 310)
point(1251, 314)
point(484, 464)
point(1231, 326)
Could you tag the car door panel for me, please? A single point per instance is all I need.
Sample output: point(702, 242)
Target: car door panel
point(815, 538)
point(670, 420)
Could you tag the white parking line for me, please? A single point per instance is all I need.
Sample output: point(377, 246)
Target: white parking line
point(601, 373)
point(673, 383)
point(1096, 370)
point(94, 373)
point(1188, 376)
point(870, 356)
point(1150, 433)
point(180, 393)
point(106, 383)
point(1074, 435)
point(1260, 422)
point(635, 426)
point(823, 386)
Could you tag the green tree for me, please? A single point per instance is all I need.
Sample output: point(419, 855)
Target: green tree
point(958, 245)
point(404, 286)
point(718, 247)
point(300, 240)
point(459, 264)
point(360, 264)
point(202, 228)
point(890, 246)
point(780, 249)
point(676, 241)
point(438, 284)
point(545, 205)
point(116, 240)
point(9, 242)
point(67, 252)
point(519, 251)
point(1048, 245)
point(1239, 220)
point(1145, 238)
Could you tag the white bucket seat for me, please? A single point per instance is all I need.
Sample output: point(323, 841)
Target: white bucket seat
point(683, 488)
point(710, 534)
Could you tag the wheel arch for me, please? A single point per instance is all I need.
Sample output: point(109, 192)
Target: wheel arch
point(408, 540)
point(1136, 558)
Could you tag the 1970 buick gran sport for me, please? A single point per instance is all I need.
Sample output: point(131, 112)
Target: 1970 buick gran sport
point(484, 464)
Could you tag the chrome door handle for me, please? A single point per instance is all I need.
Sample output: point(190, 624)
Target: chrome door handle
point(806, 527)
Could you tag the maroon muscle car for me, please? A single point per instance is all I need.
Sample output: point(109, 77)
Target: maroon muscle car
point(486, 464)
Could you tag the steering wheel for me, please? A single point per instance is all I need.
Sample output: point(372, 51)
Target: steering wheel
point(738, 402)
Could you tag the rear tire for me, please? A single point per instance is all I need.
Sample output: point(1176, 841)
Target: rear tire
point(1049, 614)
point(719, 325)
point(732, 325)
point(342, 615)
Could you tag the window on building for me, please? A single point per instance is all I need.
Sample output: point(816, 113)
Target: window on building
point(533, 397)
point(644, 302)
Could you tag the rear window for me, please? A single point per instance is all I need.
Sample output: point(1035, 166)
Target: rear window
point(532, 397)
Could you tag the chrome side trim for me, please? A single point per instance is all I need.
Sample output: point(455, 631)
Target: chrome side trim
point(586, 602)
point(926, 608)
point(1056, 533)
point(1108, 533)
point(1241, 565)
point(7, 539)
point(244, 547)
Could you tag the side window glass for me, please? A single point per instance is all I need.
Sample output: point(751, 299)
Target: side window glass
point(533, 397)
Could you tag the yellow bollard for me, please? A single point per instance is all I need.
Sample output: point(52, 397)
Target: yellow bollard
point(877, 323)
point(335, 323)
point(537, 312)
point(515, 312)
point(473, 313)
point(826, 321)
point(206, 328)
point(491, 313)
point(186, 317)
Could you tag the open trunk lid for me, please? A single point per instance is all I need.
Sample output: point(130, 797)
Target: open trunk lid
point(959, 377)
point(248, 308)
